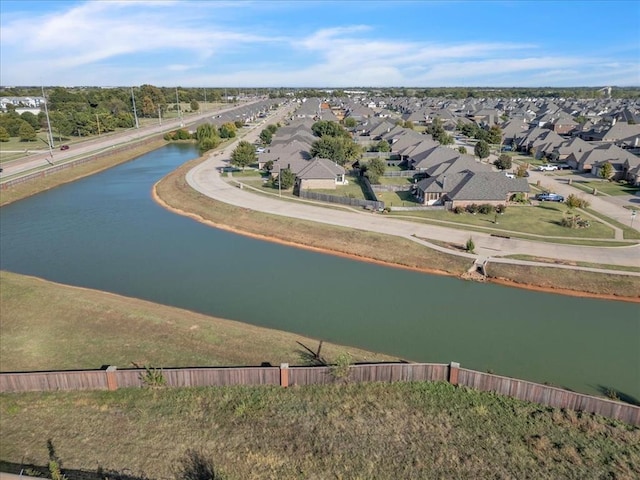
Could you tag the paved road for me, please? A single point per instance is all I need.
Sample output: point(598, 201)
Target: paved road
point(43, 158)
point(206, 179)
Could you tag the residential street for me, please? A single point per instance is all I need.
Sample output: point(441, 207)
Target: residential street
point(206, 179)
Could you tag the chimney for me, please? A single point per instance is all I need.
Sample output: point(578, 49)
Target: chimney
point(444, 182)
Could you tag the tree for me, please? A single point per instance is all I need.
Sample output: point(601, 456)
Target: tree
point(521, 172)
point(31, 119)
point(374, 169)
point(148, 108)
point(266, 136)
point(470, 246)
point(350, 122)
point(481, 149)
point(27, 133)
point(285, 178)
point(243, 155)
point(605, 171)
point(437, 131)
point(328, 128)
point(339, 149)
point(503, 162)
point(227, 130)
point(495, 135)
point(383, 146)
point(462, 150)
point(195, 106)
point(4, 135)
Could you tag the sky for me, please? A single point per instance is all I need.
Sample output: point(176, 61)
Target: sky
point(349, 43)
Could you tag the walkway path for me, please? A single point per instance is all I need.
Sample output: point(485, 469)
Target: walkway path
point(206, 179)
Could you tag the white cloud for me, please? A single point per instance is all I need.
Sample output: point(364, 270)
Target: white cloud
point(134, 42)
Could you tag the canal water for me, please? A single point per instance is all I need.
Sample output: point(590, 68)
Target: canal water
point(105, 232)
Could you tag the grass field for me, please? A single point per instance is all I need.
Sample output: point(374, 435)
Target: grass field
point(48, 326)
point(606, 187)
point(359, 431)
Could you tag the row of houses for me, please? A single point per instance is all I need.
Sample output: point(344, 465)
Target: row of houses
point(608, 130)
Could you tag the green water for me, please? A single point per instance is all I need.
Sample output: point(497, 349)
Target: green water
point(105, 232)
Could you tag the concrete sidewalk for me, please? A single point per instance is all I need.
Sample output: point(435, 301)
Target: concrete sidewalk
point(206, 179)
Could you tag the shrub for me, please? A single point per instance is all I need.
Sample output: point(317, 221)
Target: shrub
point(458, 209)
point(573, 201)
point(518, 198)
point(470, 246)
point(472, 208)
point(151, 377)
point(340, 370)
point(195, 465)
point(486, 209)
point(501, 208)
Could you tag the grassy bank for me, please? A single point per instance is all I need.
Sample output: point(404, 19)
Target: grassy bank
point(48, 326)
point(381, 431)
point(175, 192)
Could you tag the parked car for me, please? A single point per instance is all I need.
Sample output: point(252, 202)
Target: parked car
point(547, 168)
point(64, 147)
point(549, 197)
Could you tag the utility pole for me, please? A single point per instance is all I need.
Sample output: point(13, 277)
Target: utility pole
point(50, 137)
point(160, 115)
point(135, 114)
point(205, 100)
point(179, 110)
point(98, 122)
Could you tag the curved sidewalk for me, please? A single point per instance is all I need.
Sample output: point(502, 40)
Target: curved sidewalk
point(206, 179)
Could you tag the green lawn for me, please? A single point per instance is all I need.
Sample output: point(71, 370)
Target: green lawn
point(397, 199)
point(543, 220)
point(606, 187)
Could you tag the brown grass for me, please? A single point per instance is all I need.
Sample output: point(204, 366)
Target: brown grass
point(381, 431)
point(48, 326)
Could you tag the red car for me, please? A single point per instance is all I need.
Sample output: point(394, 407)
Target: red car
point(64, 147)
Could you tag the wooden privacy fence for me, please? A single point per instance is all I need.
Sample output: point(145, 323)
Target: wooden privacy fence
point(112, 378)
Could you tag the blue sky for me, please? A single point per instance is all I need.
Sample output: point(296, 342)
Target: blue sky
point(320, 43)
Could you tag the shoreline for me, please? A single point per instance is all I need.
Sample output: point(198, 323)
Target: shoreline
point(494, 280)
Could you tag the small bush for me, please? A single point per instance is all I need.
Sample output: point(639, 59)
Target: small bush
point(470, 246)
point(195, 465)
point(152, 377)
point(458, 209)
point(340, 370)
point(486, 209)
point(472, 208)
point(501, 208)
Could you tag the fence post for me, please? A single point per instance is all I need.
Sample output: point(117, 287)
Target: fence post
point(454, 368)
point(284, 375)
point(112, 381)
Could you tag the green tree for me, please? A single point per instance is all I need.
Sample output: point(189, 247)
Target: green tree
point(409, 124)
point(208, 143)
point(350, 122)
point(227, 130)
point(470, 246)
point(503, 162)
point(495, 135)
point(383, 146)
point(27, 133)
point(605, 171)
point(462, 150)
point(285, 177)
point(195, 106)
point(328, 128)
point(206, 130)
point(4, 135)
point(31, 119)
point(243, 155)
point(481, 149)
point(339, 149)
point(437, 131)
point(266, 136)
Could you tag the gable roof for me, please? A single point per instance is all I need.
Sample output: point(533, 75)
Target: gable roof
point(320, 168)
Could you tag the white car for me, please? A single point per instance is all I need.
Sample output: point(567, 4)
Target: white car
point(547, 168)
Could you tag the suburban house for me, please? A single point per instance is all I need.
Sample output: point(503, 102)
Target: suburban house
point(467, 187)
point(616, 156)
point(320, 173)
